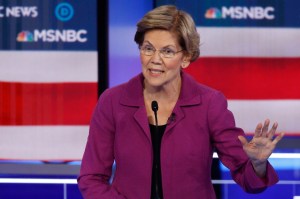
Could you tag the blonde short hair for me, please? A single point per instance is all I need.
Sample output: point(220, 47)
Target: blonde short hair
point(168, 17)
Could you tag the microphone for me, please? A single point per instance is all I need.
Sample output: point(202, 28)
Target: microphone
point(154, 106)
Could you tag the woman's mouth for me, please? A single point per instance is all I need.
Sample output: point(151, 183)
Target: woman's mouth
point(156, 71)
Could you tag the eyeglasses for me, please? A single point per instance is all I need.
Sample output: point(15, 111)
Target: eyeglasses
point(149, 50)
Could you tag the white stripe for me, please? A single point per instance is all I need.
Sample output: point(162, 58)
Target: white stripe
point(56, 143)
point(285, 182)
point(275, 155)
point(74, 181)
point(225, 42)
point(37, 181)
point(48, 66)
point(248, 113)
point(249, 42)
point(43, 142)
point(285, 155)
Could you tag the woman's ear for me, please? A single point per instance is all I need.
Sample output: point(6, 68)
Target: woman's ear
point(186, 62)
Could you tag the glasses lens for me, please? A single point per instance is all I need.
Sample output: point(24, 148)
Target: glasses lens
point(167, 53)
point(147, 50)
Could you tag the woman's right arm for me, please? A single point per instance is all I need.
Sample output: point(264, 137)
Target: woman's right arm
point(98, 158)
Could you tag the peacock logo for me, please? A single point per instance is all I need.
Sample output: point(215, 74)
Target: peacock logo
point(25, 36)
point(213, 13)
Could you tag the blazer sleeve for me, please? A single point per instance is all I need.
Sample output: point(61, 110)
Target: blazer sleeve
point(98, 158)
point(224, 135)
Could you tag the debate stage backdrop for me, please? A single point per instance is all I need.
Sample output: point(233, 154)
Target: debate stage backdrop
point(48, 72)
point(48, 78)
point(250, 50)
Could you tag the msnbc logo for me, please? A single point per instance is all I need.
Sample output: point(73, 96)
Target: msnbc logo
point(53, 36)
point(239, 12)
point(25, 36)
point(213, 13)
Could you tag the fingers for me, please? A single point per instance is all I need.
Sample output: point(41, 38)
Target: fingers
point(272, 131)
point(265, 128)
point(278, 138)
point(257, 132)
point(262, 130)
point(243, 140)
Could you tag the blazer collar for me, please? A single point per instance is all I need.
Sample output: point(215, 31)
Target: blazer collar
point(133, 93)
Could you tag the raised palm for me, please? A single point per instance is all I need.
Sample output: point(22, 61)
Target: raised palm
point(262, 144)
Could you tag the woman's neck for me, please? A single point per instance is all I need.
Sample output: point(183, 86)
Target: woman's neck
point(166, 98)
point(165, 93)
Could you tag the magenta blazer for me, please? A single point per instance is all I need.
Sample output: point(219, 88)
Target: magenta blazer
point(200, 123)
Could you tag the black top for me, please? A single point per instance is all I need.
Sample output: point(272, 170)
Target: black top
point(156, 136)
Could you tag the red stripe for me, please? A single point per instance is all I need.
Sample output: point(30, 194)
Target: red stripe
point(250, 78)
point(47, 103)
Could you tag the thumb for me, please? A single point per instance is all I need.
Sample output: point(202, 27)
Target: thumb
point(243, 140)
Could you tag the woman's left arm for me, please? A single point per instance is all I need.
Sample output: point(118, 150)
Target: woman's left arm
point(261, 146)
point(247, 161)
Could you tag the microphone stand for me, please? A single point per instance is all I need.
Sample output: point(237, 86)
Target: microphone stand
point(154, 106)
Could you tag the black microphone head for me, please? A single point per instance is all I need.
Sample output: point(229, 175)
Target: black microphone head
point(154, 106)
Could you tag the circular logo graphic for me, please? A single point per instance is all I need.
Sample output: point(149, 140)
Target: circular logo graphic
point(64, 11)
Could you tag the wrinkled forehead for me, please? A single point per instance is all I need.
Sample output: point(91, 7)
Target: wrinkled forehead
point(161, 38)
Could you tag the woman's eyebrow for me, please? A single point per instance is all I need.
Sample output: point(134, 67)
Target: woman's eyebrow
point(167, 46)
point(148, 42)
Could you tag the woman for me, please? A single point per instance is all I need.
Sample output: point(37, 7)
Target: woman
point(169, 156)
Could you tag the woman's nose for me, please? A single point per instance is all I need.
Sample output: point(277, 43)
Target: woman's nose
point(157, 57)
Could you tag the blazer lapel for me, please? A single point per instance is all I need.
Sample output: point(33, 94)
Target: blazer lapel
point(140, 117)
point(133, 97)
point(189, 96)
